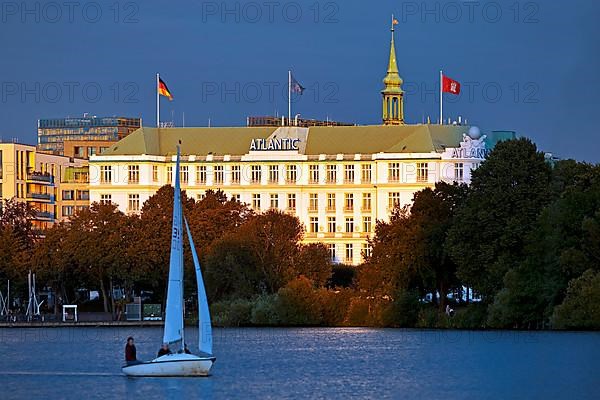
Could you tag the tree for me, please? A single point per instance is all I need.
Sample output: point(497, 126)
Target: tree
point(313, 262)
point(53, 261)
point(563, 243)
point(390, 267)
point(506, 195)
point(580, 308)
point(273, 241)
point(432, 213)
point(96, 238)
point(17, 216)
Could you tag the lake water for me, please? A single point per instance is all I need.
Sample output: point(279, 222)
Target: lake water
point(76, 363)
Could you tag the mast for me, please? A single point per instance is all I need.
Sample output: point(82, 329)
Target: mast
point(174, 330)
point(157, 101)
point(289, 97)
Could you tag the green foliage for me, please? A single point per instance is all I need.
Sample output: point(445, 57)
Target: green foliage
point(507, 193)
point(334, 305)
point(232, 313)
point(403, 311)
point(264, 311)
point(473, 316)
point(313, 262)
point(298, 304)
point(581, 307)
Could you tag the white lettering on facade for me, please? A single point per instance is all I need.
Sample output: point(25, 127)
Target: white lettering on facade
point(283, 144)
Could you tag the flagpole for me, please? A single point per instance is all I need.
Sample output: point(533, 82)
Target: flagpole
point(441, 98)
point(157, 101)
point(289, 97)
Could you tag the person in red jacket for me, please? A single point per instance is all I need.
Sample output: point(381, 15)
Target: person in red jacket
point(130, 352)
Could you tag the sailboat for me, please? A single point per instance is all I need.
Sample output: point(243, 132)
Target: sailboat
point(180, 363)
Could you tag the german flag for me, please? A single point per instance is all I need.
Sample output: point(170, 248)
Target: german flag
point(163, 90)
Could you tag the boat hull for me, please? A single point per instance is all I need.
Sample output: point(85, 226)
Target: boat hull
point(172, 365)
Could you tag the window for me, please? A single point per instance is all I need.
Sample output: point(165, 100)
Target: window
point(366, 224)
point(133, 203)
point(256, 174)
point(273, 173)
point(393, 200)
point(313, 174)
point(67, 194)
point(330, 201)
point(291, 201)
point(105, 174)
point(349, 202)
point(331, 173)
point(314, 224)
point(313, 202)
point(67, 211)
point(200, 196)
point(154, 173)
point(365, 174)
point(349, 173)
point(366, 202)
point(394, 172)
point(458, 172)
point(367, 250)
point(105, 198)
point(349, 224)
point(422, 172)
point(331, 224)
point(133, 172)
point(349, 252)
point(331, 248)
point(219, 175)
point(236, 197)
point(291, 174)
point(83, 195)
point(201, 175)
point(235, 174)
point(274, 201)
point(256, 201)
point(91, 151)
point(169, 174)
point(184, 174)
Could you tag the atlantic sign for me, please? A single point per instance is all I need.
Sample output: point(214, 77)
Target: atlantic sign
point(282, 144)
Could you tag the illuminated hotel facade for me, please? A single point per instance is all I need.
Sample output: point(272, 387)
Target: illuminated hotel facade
point(338, 180)
point(41, 180)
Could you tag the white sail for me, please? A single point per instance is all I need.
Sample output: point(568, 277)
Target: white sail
point(173, 332)
point(204, 324)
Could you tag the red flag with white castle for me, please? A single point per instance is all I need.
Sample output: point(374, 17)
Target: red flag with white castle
point(449, 85)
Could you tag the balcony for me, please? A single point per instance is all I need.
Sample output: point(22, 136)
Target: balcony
point(330, 208)
point(313, 209)
point(40, 177)
point(44, 215)
point(40, 196)
point(349, 209)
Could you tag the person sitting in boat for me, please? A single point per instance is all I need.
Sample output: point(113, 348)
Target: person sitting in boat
point(164, 350)
point(130, 352)
point(185, 349)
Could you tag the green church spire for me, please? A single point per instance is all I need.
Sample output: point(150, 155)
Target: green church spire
point(393, 109)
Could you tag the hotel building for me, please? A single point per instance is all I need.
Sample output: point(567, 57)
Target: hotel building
point(338, 180)
point(36, 178)
point(82, 137)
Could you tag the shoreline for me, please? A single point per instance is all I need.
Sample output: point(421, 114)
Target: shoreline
point(144, 324)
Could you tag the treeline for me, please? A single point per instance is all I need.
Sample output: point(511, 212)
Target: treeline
point(518, 248)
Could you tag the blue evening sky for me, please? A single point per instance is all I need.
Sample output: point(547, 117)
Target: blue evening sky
point(525, 66)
